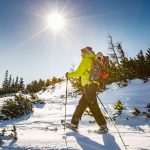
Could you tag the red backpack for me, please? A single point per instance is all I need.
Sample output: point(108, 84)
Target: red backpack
point(99, 69)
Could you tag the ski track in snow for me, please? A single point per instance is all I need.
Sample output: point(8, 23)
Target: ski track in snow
point(36, 131)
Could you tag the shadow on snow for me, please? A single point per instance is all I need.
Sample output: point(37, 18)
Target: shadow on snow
point(88, 144)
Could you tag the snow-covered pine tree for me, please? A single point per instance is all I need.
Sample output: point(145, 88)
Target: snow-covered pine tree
point(16, 107)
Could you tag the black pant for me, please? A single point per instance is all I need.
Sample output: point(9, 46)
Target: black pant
point(89, 99)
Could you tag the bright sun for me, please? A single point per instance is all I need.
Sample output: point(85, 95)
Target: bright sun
point(56, 21)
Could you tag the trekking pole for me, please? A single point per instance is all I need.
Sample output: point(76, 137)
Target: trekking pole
point(66, 102)
point(112, 122)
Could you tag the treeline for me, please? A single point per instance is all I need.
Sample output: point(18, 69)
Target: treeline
point(11, 85)
point(121, 68)
point(36, 86)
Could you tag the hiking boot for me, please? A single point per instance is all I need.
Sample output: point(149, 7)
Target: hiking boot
point(103, 129)
point(72, 126)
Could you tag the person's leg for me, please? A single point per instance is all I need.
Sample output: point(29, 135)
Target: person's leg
point(90, 94)
point(79, 110)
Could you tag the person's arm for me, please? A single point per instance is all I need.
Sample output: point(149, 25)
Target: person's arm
point(79, 71)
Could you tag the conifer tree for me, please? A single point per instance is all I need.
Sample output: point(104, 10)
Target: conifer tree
point(123, 69)
point(113, 55)
point(5, 83)
point(121, 52)
point(141, 66)
point(130, 68)
point(13, 86)
point(148, 62)
point(148, 55)
point(33, 87)
point(1, 91)
point(16, 85)
point(21, 84)
point(10, 84)
point(41, 84)
point(48, 83)
point(114, 74)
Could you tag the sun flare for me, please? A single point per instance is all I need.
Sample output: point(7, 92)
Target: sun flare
point(56, 21)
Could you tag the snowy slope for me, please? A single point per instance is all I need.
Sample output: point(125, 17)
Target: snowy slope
point(37, 131)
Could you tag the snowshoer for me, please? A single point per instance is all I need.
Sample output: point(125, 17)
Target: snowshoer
point(88, 98)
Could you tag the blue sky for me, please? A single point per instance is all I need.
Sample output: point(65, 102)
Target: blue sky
point(29, 51)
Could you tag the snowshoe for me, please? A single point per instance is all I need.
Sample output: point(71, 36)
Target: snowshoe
point(102, 130)
point(69, 125)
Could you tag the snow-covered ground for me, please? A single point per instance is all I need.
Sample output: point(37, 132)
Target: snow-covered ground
point(37, 130)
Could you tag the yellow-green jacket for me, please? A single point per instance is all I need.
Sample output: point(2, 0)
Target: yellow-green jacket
point(83, 69)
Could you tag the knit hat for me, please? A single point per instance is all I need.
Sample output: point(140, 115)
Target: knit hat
point(87, 50)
